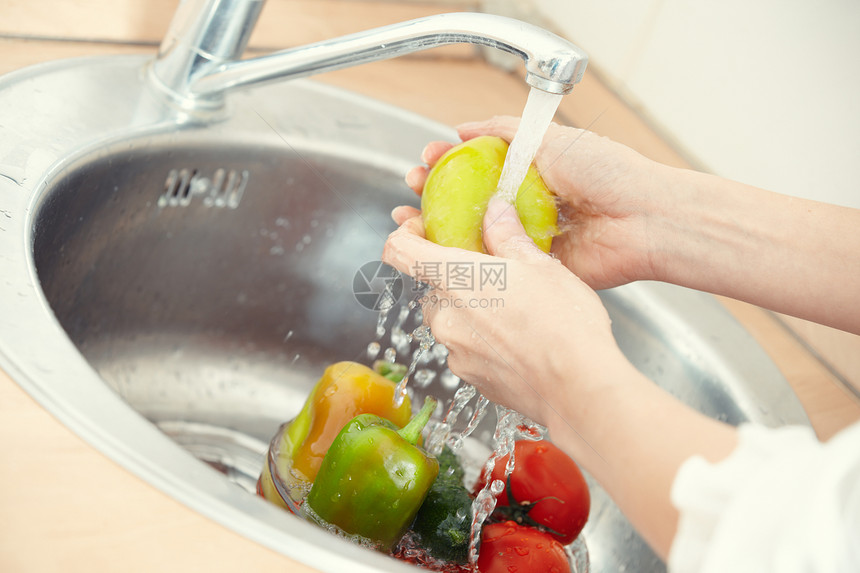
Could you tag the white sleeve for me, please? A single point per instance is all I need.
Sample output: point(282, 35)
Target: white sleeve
point(781, 502)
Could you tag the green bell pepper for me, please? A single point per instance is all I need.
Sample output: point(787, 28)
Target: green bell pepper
point(374, 478)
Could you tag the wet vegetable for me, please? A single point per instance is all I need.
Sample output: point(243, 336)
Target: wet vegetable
point(374, 478)
point(443, 523)
point(391, 370)
point(345, 390)
point(450, 467)
point(460, 186)
point(512, 548)
point(546, 490)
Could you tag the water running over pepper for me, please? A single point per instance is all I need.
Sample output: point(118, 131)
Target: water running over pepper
point(374, 479)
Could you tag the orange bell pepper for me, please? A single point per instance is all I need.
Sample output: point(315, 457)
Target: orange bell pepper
point(345, 390)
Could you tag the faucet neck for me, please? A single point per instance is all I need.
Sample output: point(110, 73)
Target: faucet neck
point(203, 35)
point(201, 57)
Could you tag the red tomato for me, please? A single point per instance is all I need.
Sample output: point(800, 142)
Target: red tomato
point(511, 548)
point(547, 490)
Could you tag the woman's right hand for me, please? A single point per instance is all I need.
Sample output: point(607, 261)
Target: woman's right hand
point(610, 196)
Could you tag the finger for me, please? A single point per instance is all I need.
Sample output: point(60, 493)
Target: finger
point(406, 247)
point(434, 150)
point(501, 126)
point(504, 234)
point(409, 252)
point(403, 213)
point(416, 177)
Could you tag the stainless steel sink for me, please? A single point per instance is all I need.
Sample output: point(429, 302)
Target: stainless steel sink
point(171, 288)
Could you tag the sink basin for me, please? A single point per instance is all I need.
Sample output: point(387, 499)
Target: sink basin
point(172, 288)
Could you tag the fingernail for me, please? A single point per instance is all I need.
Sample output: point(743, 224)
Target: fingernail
point(499, 210)
point(425, 157)
point(468, 125)
point(412, 176)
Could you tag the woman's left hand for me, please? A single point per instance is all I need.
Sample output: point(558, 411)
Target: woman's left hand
point(515, 323)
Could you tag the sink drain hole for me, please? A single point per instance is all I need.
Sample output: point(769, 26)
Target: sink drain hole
point(177, 187)
point(224, 189)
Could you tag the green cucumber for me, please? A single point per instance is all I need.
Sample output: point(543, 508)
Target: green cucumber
point(444, 521)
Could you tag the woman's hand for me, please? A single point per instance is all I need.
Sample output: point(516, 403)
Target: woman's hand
point(514, 339)
point(608, 195)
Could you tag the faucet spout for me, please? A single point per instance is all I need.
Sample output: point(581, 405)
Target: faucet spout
point(200, 79)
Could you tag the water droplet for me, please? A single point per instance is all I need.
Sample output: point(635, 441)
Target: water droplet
point(497, 486)
point(373, 349)
point(440, 353)
point(423, 378)
point(402, 316)
point(449, 380)
point(455, 442)
point(400, 339)
point(390, 355)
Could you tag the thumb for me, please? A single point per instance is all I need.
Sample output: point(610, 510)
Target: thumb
point(504, 234)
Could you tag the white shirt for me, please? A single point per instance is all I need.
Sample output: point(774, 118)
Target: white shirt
point(781, 502)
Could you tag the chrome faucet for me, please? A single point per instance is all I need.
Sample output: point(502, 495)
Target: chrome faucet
point(200, 58)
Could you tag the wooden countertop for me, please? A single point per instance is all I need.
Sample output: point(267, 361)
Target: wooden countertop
point(64, 505)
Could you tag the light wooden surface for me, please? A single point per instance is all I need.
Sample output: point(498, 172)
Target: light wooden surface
point(66, 507)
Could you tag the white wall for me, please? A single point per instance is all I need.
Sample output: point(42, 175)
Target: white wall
point(762, 91)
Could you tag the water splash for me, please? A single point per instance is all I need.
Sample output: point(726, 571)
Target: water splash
point(426, 341)
point(510, 427)
point(477, 416)
point(401, 339)
point(441, 433)
point(485, 501)
point(386, 303)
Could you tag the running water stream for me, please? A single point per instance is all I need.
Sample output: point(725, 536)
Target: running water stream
point(537, 115)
